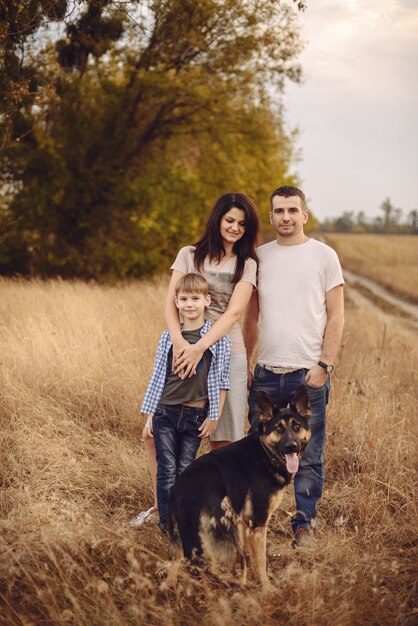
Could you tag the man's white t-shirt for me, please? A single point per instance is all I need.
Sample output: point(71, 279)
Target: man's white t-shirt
point(292, 284)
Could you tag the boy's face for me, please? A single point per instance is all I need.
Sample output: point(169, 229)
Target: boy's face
point(192, 305)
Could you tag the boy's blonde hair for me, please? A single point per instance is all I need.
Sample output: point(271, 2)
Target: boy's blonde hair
point(192, 283)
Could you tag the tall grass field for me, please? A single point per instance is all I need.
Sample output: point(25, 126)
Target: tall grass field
point(391, 260)
point(74, 363)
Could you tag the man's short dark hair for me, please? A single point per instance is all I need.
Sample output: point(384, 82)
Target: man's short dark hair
point(287, 191)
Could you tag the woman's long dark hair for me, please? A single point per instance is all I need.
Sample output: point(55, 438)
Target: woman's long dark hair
point(211, 243)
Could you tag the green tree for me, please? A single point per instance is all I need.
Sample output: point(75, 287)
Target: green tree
point(413, 221)
point(392, 216)
point(361, 225)
point(345, 223)
point(131, 142)
point(388, 209)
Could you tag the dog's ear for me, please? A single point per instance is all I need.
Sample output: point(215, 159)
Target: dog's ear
point(266, 405)
point(301, 402)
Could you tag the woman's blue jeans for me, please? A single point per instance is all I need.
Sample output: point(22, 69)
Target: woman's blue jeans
point(309, 479)
point(176, 437)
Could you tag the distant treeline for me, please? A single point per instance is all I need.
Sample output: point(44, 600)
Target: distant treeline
point(392, 221)
point(122, 122)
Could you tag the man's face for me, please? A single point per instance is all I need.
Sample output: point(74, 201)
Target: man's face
point(287, 216)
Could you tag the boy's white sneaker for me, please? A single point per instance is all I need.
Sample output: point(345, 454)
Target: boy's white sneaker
point(151, 515)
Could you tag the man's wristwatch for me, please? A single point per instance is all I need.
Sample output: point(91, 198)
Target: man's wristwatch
point(328, 368)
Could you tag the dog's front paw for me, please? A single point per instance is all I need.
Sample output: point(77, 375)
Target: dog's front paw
point(267, 588)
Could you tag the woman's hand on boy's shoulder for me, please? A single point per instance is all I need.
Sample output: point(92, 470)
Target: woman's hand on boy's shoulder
point(208, 428)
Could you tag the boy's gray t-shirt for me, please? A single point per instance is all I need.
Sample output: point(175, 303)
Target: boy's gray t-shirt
point(178, 391)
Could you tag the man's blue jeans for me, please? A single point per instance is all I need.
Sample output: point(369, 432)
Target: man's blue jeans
point(310, 476)
point(176, 436)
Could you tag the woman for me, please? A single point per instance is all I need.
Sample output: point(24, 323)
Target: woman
point(225, 255)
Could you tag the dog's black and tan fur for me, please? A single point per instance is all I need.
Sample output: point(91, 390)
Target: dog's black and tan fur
point(221, 505)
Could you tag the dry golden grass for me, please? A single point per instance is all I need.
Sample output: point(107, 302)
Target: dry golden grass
point(391, 260)
point(75, 360)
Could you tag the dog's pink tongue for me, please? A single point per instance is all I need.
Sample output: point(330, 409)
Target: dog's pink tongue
point(292, 463)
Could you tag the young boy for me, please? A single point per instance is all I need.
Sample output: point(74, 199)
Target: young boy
point(184, 411)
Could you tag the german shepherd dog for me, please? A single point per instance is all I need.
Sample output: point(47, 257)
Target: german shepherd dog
point(220, 507)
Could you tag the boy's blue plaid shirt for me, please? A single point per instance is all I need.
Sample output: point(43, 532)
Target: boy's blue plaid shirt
point(218, 377)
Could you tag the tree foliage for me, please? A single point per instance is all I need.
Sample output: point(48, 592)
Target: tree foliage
point(129, 122)
point(392, 221)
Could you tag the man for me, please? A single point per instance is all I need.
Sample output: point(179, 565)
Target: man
point(299, 308)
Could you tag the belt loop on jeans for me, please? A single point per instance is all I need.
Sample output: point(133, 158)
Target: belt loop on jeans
point(280, 370)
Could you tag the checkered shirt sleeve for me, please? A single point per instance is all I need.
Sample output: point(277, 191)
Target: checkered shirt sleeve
point(156, 384)
point(218, 377)
point(225, 383)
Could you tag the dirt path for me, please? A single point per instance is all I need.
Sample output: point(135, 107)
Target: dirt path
point(366, 292)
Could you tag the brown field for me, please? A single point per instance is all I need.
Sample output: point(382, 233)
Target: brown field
point(390, 260)
point(75, 360)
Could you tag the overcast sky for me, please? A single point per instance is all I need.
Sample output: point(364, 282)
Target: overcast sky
point(357, 108)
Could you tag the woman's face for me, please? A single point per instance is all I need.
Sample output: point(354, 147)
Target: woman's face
point(232, 225)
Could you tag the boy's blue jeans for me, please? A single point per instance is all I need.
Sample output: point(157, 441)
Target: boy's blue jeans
point(176, 437)
point(310, 476)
